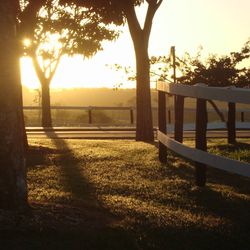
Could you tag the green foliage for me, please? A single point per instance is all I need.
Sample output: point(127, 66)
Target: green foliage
point(216, 70)
point(111, 11)
point(61, 30)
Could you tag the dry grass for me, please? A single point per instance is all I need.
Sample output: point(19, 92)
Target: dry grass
point(116, 195)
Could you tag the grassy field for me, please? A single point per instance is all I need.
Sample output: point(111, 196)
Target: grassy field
point(88, 194)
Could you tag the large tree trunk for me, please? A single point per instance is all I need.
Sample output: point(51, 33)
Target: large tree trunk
point(46, 111)
point(140, 37)
point(13, 186)
point(144, 123)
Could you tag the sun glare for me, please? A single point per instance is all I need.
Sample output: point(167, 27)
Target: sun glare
point(26, 42)
point(28, 74)
point(77, 72)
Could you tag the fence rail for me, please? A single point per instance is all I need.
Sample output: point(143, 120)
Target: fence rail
point(131, 111)
point(89, 109)
point(202, 93)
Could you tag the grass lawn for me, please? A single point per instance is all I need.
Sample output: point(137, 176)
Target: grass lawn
point(89, 194)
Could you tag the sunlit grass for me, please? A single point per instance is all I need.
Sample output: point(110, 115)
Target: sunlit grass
point(117, 195)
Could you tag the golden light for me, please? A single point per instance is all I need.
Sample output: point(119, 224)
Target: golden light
point(28, 74)
point(76, 72)
point(26, 42)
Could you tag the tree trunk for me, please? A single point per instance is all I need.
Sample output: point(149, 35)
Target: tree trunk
point(144, 123)
point(13, 186)
point(140, 37)
point(46, 111)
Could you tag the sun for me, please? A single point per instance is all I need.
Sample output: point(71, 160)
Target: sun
point(26, 42)
point(28, 74)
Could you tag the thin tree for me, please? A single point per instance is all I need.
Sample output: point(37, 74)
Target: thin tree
point(60, 31)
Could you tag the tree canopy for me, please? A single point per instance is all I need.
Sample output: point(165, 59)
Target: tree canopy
point(62, 30)
point(216, 70)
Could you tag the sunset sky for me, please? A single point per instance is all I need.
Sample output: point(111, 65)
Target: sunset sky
point(219, 26)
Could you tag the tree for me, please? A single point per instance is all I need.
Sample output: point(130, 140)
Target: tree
point(118, 11)
point(13, 187)
point(216, 70)
point(63, 30)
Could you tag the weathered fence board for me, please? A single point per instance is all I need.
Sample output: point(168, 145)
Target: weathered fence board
point(206, 158)
point(199, 155)
point(236, 95)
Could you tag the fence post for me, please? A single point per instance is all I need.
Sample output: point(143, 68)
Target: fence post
point(201, 140)
point(131, 116)
point(231, 131)
point(169, 115)
point(178, 125)
point(162, 122)
point(242, 116)
point(90, 115)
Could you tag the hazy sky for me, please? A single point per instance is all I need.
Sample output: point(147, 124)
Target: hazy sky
point(219, 26)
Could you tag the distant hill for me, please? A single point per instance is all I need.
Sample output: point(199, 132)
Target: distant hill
point(86, 97)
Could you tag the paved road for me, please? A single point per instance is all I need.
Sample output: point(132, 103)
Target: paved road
point(114, 133)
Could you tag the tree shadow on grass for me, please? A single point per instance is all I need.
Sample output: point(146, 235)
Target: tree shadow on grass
point(73, 180)
point(80, 222)
point(79, 203)
point(72, 176)
point(38, 155)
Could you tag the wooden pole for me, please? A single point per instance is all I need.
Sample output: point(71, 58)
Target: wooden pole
point(131, 116)
point(169, 116)
point(242, 117)
point(231, 130)
point(90, 115)
point(173, 61)
point(179, 112)
point(201, 140)
point(162, 122)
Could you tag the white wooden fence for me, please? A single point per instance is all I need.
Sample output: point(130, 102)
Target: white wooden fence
point(199, 155)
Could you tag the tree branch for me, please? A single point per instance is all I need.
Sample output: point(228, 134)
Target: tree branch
point(28, 17)
point(39, 72)
point(52, 72)
point(153, 6)
point(133, 23)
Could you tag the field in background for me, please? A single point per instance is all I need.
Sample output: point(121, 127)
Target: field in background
point(110, 97)
point(117, 195)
